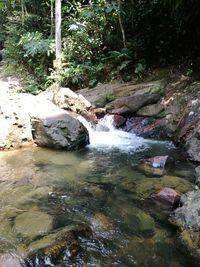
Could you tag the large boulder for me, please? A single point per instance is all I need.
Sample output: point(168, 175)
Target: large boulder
point(114, 92)
point(56, 128)
point(131, 104)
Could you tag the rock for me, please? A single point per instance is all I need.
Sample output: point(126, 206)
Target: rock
point(197, 174)
point(189, 242)
point(146, 187)
point(188, 216)
point(156, 165)
point(131, 104)
point(10, 260)
point(158, 161)
point(193, 149)
point(103, 220)
point(57, 128)
point(168, 196)
point(33, 224)
point(118, 120)
point(69, 100)
point(150, 171)
point(151, 110)
point(98, 96)
point(146, 127)
point(52, 246)
point(15, 128)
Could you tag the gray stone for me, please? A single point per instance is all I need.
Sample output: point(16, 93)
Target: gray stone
point(131, 104)
point(188, 216)
point(193, 149)
point(57, 128)
point(150, 110)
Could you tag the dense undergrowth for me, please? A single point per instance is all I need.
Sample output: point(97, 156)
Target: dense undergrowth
point(101, 40)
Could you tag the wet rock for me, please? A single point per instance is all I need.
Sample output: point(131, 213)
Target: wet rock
point(33, 224)
point(155, 165)
point(146, 127)
point(146, 187)
point(189, 243)
point(188, 216)
point(10, 260)
point(158, 161)
point(103, 220)
point(197, 175)
point(151, 171)
point(62, 243)
point(118, 120)
point(168, 196)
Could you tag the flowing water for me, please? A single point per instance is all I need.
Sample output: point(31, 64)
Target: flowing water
point(44, 190)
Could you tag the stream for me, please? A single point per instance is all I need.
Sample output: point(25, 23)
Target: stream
point(43, 190)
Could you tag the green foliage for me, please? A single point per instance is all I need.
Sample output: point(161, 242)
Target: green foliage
point(156, 31)
point(140, 68)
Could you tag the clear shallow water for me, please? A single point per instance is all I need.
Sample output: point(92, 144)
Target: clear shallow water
point(101, 187)
point(43, 191)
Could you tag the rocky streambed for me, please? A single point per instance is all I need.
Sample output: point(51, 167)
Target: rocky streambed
point(102, 205)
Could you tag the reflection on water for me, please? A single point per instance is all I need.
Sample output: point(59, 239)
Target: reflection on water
point(43, 190)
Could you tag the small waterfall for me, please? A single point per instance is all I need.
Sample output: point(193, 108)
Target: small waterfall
point(105, 135)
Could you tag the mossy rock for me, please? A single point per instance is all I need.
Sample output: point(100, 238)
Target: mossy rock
point(33, 224)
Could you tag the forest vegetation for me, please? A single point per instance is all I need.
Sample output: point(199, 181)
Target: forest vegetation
point(101, 40)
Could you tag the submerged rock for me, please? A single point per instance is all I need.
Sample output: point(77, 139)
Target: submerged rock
point(168, 196)
point(64, 243)
point(155, 165)
point(33, 224)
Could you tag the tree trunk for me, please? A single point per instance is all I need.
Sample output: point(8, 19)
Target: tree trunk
point(58, 35)
point(52, 19)
point(121, 24)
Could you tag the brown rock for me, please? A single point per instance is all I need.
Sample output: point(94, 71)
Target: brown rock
point(158, 161)
point(168, 196)
point(118, 120)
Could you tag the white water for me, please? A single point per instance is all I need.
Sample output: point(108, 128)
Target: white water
point(104, 135)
